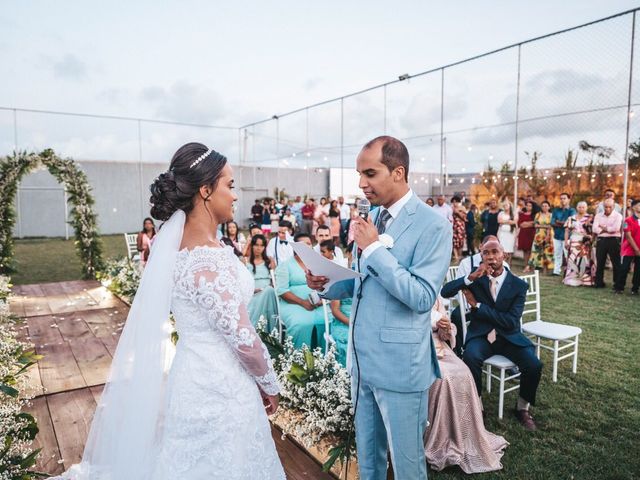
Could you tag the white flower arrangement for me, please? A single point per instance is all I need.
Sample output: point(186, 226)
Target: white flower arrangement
point(17, 428)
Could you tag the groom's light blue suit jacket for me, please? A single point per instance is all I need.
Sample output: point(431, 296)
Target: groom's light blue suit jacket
point(393, 328)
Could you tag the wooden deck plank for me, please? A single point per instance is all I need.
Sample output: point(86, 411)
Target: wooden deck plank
point(46, 439)
point(78, 346)
point(71, 415)
point(93, 359)
point(297, 464)
point(59, 370)
point(16, 303)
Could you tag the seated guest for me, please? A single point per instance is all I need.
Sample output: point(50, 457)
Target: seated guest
point(467, 265)
point(278, 247)
point(227, 241)
point(456, 433)
point(264, 296)
point(341, 312)
point(496, 298)
point(144, 240)
point(631, 249)
point(254, 229)
point(236, 236)
point(328, 250)
point(323, 233)
point(303, 318)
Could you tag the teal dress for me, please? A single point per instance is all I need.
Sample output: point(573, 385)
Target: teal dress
point(264, 302)
point(340, 331)
point(305, 327)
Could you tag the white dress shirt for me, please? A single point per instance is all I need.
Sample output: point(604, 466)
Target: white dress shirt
point(444, 211)
point(345, 212)
point(338, 255)
point(279, 251)
point(394, 210)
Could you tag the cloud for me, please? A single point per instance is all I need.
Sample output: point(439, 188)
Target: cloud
point(70, 67)
point(546, 96)
point(313, 83)
point(186, 102)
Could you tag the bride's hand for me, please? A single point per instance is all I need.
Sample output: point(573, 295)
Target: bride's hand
point(270, 402)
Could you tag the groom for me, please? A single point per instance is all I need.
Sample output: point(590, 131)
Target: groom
point(391, 356)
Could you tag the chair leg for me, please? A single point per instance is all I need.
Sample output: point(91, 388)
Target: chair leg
point(555, 361)
point(575, 356)
point(488, 378)
point(501, 398)
point(538, 347)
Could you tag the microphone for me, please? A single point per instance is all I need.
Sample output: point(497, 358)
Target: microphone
point(364, 206)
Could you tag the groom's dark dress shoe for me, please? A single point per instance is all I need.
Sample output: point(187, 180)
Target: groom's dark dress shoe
point(526, 420)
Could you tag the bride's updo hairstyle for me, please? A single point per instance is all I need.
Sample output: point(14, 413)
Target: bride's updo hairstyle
point(192, 166)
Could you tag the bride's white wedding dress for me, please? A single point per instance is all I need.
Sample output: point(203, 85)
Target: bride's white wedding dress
point(215, 424)
point(197, 414)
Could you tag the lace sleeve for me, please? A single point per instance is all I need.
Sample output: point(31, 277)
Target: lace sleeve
point(218, 293)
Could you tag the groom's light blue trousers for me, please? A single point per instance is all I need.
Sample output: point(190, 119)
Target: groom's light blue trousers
point(394, 422)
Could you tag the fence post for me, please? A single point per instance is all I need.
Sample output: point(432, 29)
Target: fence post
point(515, 160)
point(626, 144)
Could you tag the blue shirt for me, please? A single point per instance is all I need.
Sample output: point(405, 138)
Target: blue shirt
point(561, 215)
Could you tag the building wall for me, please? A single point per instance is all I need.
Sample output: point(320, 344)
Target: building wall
point(121, 192)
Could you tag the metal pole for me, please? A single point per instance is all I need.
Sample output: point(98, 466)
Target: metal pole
point(626, 145)
point(66, 215)
point(253, 155)
point(385, 109)
point(142, 213)
point(342, 139)
point(15, 130)
point(442, 132)
point(19, 210)
point(307, 148)
point(515, 162)
point(446, 169)
point(278, 157)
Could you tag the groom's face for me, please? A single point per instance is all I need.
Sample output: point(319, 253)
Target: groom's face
point(376, 181)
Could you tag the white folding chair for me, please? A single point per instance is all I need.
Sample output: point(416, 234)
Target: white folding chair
point(451, 273)
point(131, 239)
point(328, 339)
point(281, 327)
point(562, 337)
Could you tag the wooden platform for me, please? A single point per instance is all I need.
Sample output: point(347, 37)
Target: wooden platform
point(76, 326)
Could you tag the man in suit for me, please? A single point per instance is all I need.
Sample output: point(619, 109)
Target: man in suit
point(497, 298)
point(467, 265)
point(391, 355)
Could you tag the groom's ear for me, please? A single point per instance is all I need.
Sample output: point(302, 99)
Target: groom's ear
point(399, 174)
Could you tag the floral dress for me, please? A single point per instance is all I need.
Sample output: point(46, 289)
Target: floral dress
point(580, 269)
point(542, 249)
point(459, 229)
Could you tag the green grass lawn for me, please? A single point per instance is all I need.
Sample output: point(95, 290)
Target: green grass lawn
point(40, 260)
point(589, 423)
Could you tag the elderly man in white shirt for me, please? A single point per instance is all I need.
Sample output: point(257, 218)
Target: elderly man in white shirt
point(443, 209)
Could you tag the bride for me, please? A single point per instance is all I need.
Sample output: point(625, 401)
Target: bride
point(200, 414)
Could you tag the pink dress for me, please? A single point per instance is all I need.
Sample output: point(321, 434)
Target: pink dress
point(456, 433)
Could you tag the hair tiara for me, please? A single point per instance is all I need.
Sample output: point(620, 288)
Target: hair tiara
point(200, 158)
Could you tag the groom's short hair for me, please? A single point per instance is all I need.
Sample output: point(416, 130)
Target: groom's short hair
point(394, 153)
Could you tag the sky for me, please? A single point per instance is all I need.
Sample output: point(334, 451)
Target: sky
point(231, 63)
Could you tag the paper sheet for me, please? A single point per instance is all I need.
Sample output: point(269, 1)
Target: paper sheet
point(321, 266)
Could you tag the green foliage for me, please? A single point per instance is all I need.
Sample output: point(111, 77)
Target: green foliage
point(83, 217)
